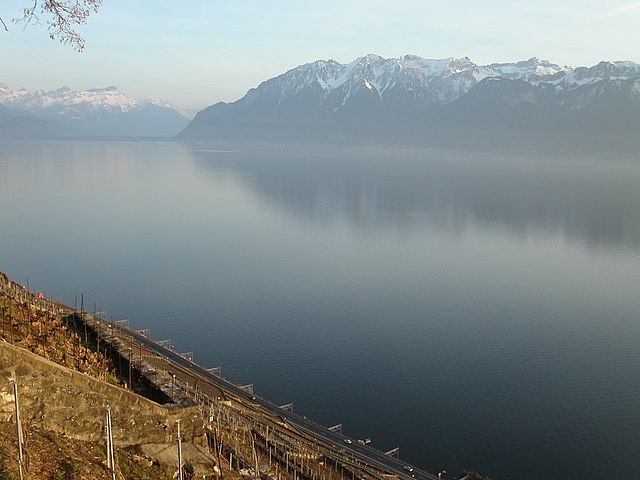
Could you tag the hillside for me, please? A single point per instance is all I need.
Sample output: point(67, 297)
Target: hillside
point(56, 457)
point(57, 445)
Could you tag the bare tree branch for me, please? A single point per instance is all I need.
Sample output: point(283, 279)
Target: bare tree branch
point(63, 16)
point(4, 25)
point(28, 15)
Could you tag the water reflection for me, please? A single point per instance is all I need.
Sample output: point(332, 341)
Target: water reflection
point(582, 201)
point(328, 277)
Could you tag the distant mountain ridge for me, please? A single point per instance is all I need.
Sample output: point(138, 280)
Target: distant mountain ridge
point(415, 100)
point(101, 112)
point(18, 124)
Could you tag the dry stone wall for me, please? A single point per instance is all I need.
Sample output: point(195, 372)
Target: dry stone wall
point(58, 399)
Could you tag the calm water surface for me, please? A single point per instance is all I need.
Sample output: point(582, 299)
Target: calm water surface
point(479, 311)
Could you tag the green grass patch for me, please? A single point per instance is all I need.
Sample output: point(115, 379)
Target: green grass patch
point(134, 471)
point(65, 470)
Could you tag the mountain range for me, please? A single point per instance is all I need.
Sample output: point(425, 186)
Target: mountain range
point(100, 112)
point(445, 102)
point(407, 100)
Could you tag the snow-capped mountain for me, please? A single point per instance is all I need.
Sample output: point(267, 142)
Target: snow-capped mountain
point(409, 96)
point(330, 86)
point(416, 82)
point(109, 99)
point(104, 112)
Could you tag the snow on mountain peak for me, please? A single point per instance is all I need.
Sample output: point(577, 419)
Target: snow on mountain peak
point(376, 74)
point(411, 81)
point(533, 69)
point(64, 100)
point(157, 102)
point(98, 111)
point(428, 67)
point(372, 57)
point(111, 88)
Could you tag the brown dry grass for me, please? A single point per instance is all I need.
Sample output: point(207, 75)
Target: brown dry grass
point(47, 334)
point(50, 456)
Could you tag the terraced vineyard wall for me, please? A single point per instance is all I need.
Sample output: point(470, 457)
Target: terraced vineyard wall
point(58, 399)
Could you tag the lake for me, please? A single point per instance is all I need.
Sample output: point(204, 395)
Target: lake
point(480, 311)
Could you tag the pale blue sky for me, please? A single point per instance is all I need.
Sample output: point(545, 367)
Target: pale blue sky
point(195, 53)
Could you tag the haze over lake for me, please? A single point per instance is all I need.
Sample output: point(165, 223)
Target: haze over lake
point(481, 311)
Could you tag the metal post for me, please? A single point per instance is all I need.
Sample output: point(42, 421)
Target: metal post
point(255, 455)
point(130, 385)
point(18, 424)
point(106, 436)
point(179, 452)
point(110, 458)
point(111, 453)
point(86, 335)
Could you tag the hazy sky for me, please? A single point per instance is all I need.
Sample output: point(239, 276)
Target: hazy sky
point(195, 53)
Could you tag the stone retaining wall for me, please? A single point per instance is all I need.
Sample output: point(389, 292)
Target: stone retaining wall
point(58, 399)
